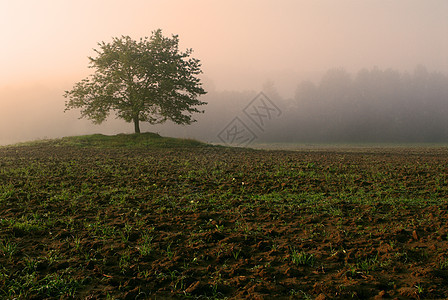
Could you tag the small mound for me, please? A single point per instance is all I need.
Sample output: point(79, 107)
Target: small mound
point(147, 139)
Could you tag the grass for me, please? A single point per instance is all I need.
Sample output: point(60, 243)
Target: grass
point(7, 248)
point(147, 139)
point(117, 216)
point(145, 247)
point(302, 258)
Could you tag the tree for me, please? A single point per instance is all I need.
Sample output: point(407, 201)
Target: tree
point(148, 80)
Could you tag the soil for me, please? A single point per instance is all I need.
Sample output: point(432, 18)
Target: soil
point(215, 222)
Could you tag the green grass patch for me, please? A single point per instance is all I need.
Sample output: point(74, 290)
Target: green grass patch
point(147, 139)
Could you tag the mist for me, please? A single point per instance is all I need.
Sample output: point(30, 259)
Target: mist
point(345, 71)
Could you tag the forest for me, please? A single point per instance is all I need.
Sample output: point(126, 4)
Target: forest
point(370, 106)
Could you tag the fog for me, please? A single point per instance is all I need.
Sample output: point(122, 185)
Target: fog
point(332, 71)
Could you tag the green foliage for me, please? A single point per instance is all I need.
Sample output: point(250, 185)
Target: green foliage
point(443, 264)
point(8, 248)
point(302, 258)
point(145, 247)
point(148, 80)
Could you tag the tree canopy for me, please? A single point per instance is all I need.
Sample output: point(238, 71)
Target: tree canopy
point(148, 80)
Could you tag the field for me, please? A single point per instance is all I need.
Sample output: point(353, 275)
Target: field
point(137, 218)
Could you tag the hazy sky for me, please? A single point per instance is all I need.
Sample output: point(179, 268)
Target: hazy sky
point(241, 43)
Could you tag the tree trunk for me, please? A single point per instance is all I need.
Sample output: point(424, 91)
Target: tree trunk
point(136, 125)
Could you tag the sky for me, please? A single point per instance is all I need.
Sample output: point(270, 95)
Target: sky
point(241, 44)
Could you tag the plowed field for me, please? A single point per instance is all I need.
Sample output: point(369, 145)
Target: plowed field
point(214, 222)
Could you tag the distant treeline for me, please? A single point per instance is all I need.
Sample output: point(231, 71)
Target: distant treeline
point(373, 106)
point(370, 106)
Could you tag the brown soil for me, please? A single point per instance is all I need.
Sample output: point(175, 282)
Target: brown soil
point(224, 223)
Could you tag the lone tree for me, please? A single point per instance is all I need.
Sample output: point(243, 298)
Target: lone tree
point(142, 81)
